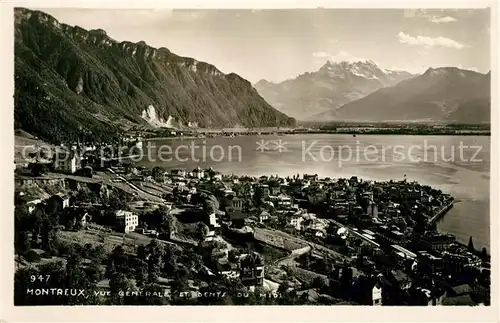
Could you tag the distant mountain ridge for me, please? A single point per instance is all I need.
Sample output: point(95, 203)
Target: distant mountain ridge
point(70, 80)
point(447, 94)
point(311, 95)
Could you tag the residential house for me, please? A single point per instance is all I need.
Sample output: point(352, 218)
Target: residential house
point(377, 294)
point(178, 172)
point(320, 233)
point(392, 236)
point(226, 268)
point(263, 178)
point(426, 198)
point(217, 176)
point(312, 178)
point(315, 223)
point(455, 262)
point(159, 175)
point(127, 221)
point(400, 279)
point(81, 215)
point(317, 197)
point(429, 263)
point(275, 189)
point(67, 161)
point(31, 203)
point(58, 202)
point(198, 173)
point(264, 188)
point(235, 203)
point(436, 241)
point(214, 222)
point(372, 209)
point(264, 216)
point(251, 270)
point(283, 202)
point(296, 221)
point(192, 189)
point(210, 236)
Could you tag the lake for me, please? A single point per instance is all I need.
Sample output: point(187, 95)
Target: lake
point(458, 165)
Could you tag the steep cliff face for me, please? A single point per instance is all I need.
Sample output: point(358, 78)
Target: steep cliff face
point(70, 78)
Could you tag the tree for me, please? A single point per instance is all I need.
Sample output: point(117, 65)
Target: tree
point(22, 223)
point(233, 255)
point(97, 254)
point(22, 242)
point(77, 278)
point(140, 273)
point(48, 236)
point(470, 246)
point(201, 232)
point(258, 196)
point(93, 272)
point(155, 254)
point(36, 220)
point(117, 263)
point(32, 256)
point(283, 288)
point(484, 254)
point(210, 204)
point(39, 169)
point(118, 284)
point(167, 222)
point(159, 219)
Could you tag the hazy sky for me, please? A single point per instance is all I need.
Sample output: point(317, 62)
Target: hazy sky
point(280, 44)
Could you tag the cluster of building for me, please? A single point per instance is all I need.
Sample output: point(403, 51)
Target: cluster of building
point(247, 267)
point(70, 158)
point(368, 222)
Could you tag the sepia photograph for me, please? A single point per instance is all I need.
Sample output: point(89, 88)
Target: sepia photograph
point(322, 156)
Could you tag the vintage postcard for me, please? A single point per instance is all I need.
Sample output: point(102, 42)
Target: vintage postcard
point(234, 156)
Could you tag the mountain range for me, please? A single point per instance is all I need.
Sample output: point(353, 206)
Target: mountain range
point(69, 80)
point(446, 94)
point(362, 91)
point(310, 96)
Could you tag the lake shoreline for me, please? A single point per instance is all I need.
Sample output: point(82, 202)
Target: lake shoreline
point(475, 134)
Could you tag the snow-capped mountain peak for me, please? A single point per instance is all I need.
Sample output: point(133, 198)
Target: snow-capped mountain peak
point(366, 69)
point(334, 84)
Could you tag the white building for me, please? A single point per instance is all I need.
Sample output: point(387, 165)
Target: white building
point(67, 161)
point(32, 204)
point(377, 295)
point(263, 216)
point(178, 172)
point(372, 210)
point(320, 233)
point(62, 199)
point(210, 236)
point(128, 220)
point(296, 222)
point(426, 198)
point(198, 173)
point(284, 201)
point(212, 219)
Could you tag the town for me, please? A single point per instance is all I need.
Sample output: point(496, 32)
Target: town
point(123, 232)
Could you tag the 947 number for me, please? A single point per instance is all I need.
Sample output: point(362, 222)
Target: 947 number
point(39, 278)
